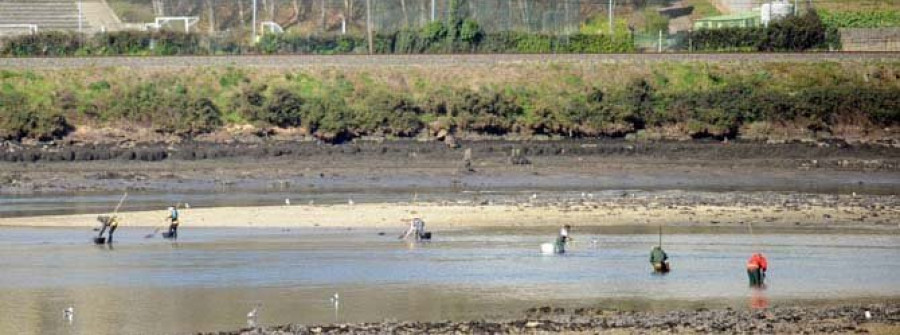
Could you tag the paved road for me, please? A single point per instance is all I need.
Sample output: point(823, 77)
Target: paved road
point(300, 61)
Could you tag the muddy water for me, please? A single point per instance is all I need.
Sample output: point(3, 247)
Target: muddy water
point(211, 278)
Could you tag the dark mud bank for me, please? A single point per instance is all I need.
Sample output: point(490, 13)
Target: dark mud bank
point(795, 320)
point(863, 156)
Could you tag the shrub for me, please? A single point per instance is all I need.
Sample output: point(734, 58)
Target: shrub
point(18, 119)
point(201, 116)
point(487, 112)
point(387, 113)
point(797, 33)
point(250, 103)
point(285, 109)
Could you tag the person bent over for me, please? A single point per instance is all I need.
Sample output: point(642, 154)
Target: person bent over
point(417, 227)
point(108, 222)
point(659, 260)
point(756, 269)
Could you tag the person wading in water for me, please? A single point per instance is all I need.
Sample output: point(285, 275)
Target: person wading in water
point(417, 226)
point(563, 239)
point(110, 222)
point(172, 217)
point(756, 269)
point(659, 260)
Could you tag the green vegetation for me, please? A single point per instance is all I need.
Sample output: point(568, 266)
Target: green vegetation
point(618, 100)
point(461, 36)
point(703, 8)
point(861, 19)
point(799, 33)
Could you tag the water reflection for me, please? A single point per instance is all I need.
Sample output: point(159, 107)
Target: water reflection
point(758, 298)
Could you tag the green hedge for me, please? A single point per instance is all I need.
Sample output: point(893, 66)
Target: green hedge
point(801, 33)
point(57, 44)
point(460, 36)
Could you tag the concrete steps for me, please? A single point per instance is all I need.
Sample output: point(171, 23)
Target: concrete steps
point(48, 15)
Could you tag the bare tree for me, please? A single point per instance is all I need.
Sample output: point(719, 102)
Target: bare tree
point(322, 17)
point(348, 10)
point(212, 15)
point(159, 8)
point(405, 13)
point(240, 5)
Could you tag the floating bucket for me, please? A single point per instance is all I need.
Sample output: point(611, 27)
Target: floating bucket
point(99, 240)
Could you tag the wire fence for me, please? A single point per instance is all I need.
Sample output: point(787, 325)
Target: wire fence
point(227, 26)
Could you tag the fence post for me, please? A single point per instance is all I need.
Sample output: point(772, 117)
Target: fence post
point(369, 26)
point(659, 47)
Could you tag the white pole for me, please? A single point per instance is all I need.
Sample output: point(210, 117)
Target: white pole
point(433, 10)
point(660, 41)
point(369, 26)
point(611, 26)
point(80, 16)
point(253, 39)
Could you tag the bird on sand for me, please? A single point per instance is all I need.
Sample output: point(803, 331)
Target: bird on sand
point(335, 299)
point(253, 314)
point(69, 313)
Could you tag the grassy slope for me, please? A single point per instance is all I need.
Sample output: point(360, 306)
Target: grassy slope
point(86, 97)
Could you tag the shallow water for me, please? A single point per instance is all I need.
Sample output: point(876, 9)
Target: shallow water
point(211, 278)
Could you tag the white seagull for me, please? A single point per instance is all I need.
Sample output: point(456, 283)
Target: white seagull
point(69, 313)
point(335, 299)
point(287, 202)
point(350, 202)
point(254, 313)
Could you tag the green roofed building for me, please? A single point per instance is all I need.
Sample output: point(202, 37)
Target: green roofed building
point(739, 20)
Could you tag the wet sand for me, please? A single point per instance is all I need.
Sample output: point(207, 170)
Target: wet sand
point(848, 211)
point(846, 319)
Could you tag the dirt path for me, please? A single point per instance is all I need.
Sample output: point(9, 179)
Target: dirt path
point(302, 61)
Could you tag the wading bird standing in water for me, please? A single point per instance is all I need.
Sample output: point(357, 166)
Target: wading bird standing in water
point(253, 315)
point(69, 313)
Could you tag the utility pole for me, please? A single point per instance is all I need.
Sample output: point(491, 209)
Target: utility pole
point(369, 26)
point(433, 10)
point(80, 17)
point(660, 42)
point(611, 24)
point(253, 39)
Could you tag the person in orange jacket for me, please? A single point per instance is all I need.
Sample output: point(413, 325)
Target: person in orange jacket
point(756, 269)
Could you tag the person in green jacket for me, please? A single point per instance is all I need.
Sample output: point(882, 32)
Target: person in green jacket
point(659, 260)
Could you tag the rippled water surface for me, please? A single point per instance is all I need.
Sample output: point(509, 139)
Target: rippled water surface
point(211, 278)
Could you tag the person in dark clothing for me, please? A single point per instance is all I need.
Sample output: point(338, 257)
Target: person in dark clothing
point(108, 222)
point(172, 217)
point(659, 260)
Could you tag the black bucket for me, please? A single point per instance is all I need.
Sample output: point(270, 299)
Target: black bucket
point(425, 236)
point(168, 235)
point(99, 240)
